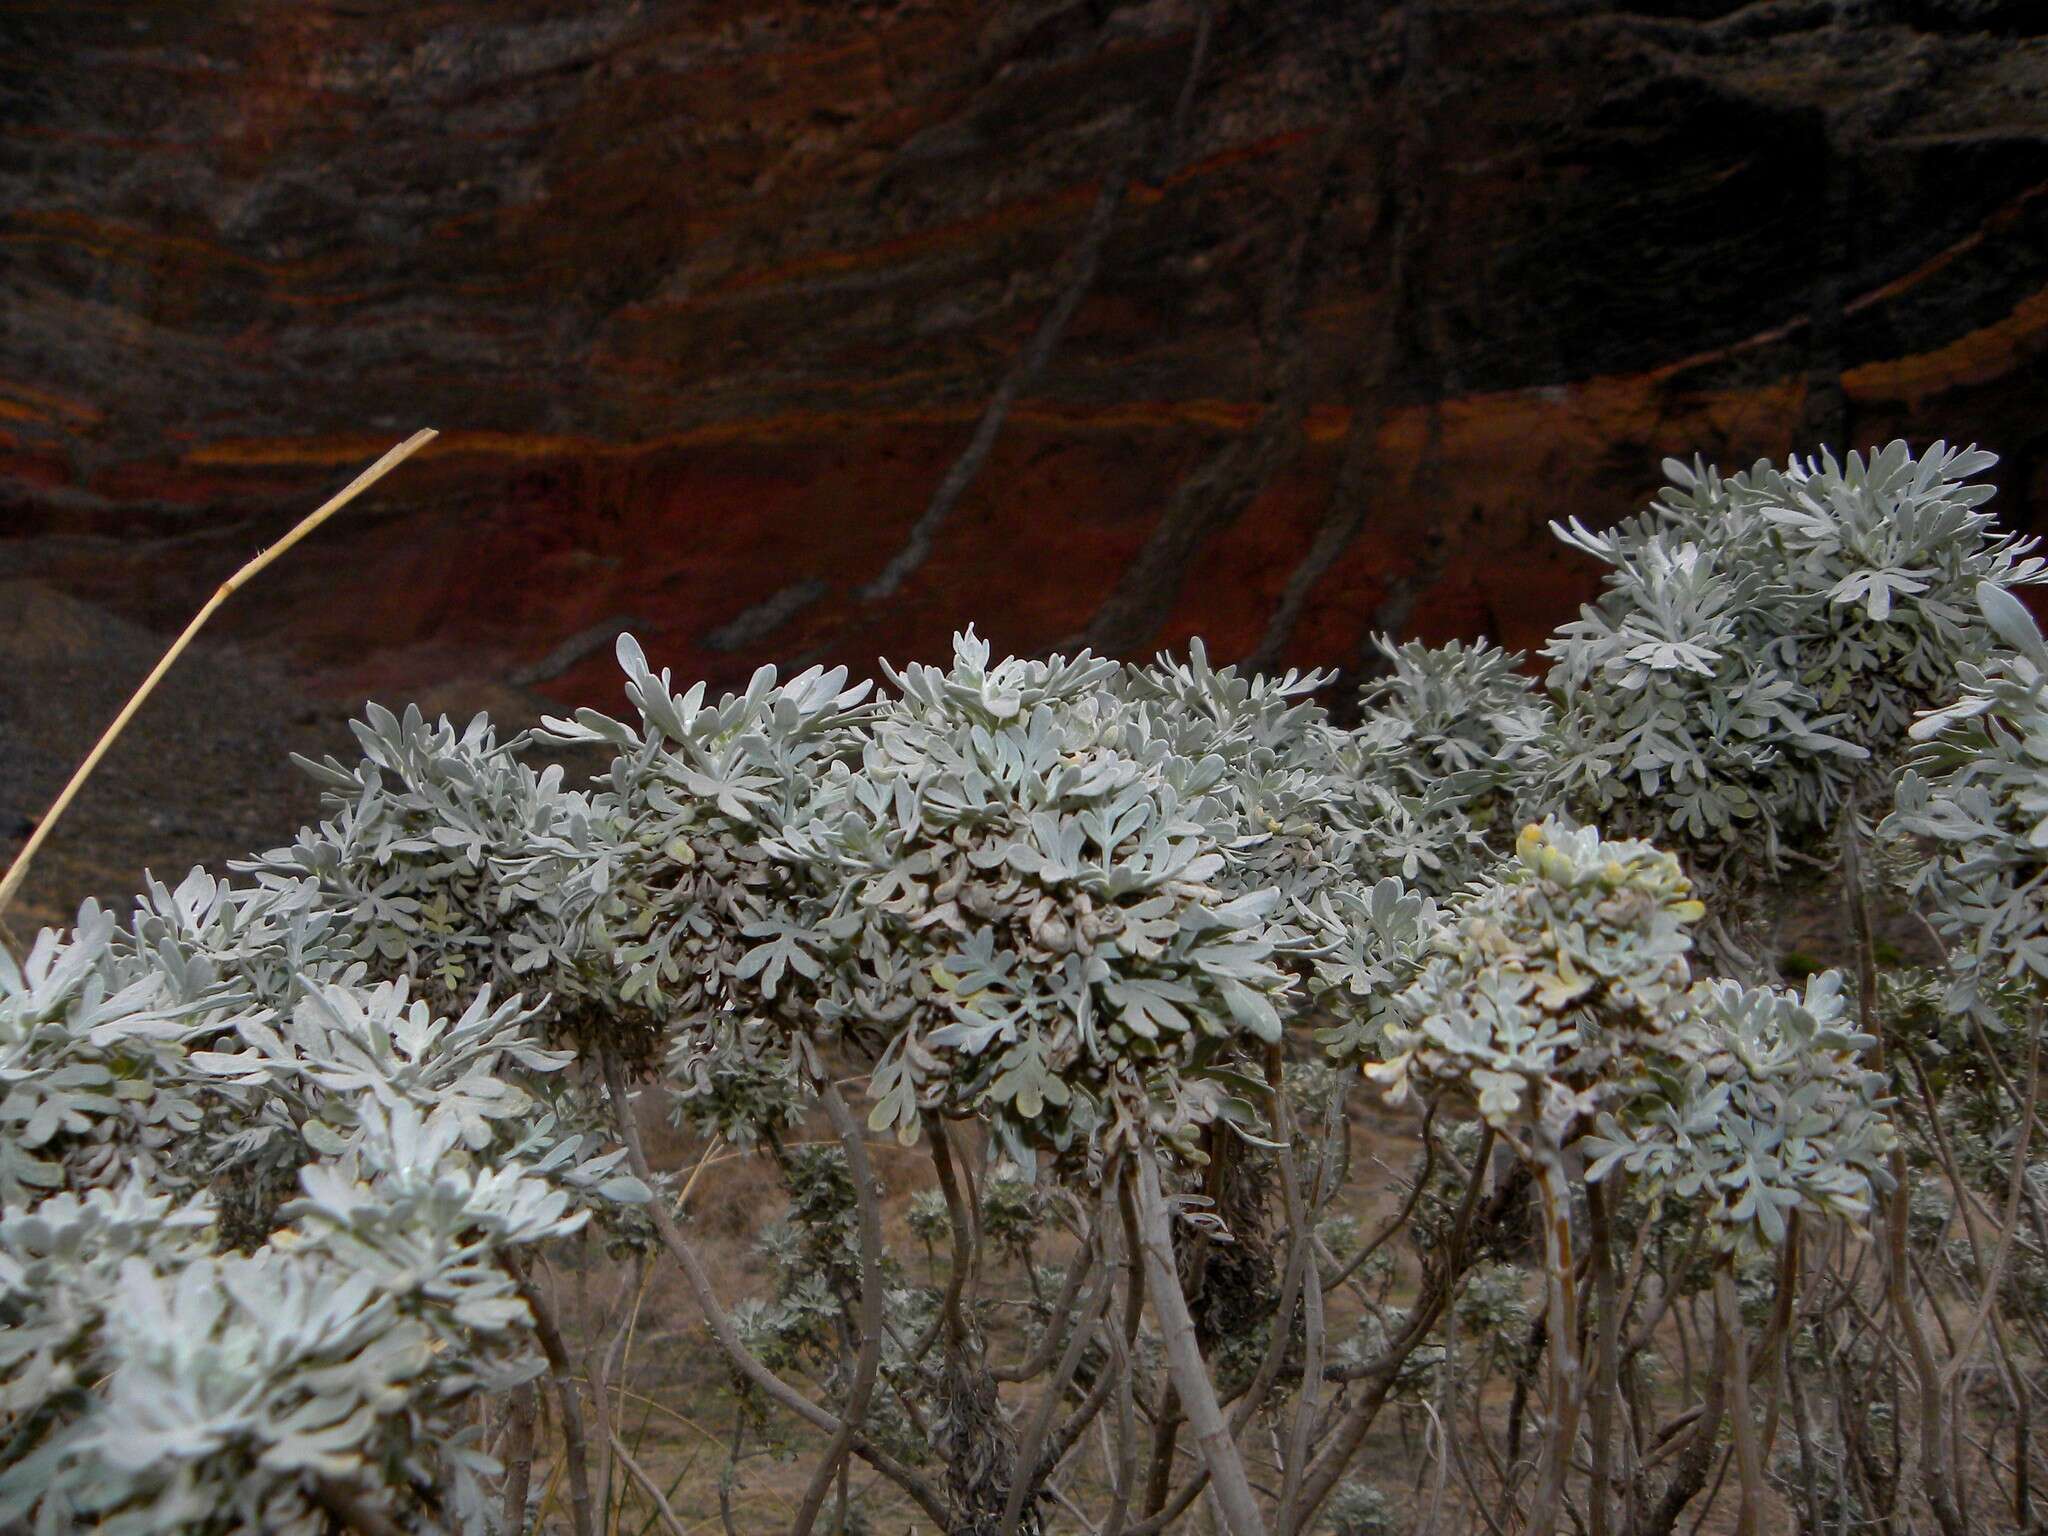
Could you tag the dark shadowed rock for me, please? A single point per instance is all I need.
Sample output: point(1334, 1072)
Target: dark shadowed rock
point(707, 299)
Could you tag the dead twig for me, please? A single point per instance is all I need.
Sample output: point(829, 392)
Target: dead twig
point(18, 870)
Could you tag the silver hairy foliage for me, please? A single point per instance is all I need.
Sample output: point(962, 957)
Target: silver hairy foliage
point(1762, 643)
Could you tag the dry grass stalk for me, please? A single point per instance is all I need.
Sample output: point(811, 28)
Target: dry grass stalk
point(18, 871)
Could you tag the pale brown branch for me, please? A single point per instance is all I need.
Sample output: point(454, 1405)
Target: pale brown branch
point(867, 1364)
point(550, 1334)
point(1234, 1500)
point(720, 1321)
point(648, 1485)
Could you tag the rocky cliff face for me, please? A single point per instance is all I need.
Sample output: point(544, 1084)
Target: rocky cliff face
point(812, 331)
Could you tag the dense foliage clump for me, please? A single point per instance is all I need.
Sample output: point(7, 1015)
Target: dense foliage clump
point(288, 1160)
point(1764, 641)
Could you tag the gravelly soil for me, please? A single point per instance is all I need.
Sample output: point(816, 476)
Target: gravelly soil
point(202, 775)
